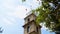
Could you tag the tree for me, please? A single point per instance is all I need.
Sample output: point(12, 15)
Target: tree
point(49, 13)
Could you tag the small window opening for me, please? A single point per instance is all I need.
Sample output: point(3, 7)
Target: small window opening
point(37, 29)
point(28, 19)
point(28, 28)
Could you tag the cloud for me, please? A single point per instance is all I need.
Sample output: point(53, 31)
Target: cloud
point(13, 8)
point(7, 22)
point(10, 9)
point(19, 11)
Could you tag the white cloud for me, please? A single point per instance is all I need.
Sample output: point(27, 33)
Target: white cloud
point(9, 8)
point(43, 26)
point(7, 22)
point(13, 8)
point(19, 11)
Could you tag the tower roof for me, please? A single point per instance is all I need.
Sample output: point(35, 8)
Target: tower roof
point(29, 14)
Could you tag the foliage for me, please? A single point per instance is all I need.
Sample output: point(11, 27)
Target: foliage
point(23, 0)
point(49, 13)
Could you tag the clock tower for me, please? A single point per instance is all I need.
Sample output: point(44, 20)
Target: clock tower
point(30, 26)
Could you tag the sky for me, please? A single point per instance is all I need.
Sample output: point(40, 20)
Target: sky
point(12, 14)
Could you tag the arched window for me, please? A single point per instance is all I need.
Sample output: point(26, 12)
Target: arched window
point(28, 28)
point(28, 19)
point(37, 29)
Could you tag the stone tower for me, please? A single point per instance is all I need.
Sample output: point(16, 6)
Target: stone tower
point(30, 26)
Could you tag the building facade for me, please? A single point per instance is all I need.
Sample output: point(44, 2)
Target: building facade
point(30, 26)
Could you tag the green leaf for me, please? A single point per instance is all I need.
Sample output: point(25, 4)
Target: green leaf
point(23, 0)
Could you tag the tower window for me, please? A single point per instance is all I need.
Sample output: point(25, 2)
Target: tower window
point(28, 28)
point(37, 29)
point(28, 19)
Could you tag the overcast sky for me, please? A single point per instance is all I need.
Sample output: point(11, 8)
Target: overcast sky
point(12, 13)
